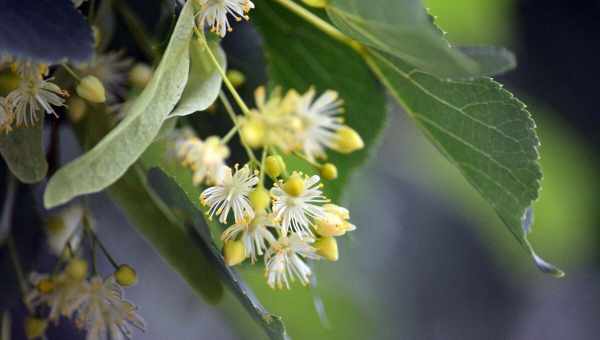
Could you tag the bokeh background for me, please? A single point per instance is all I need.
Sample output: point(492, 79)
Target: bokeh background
point(430, 260)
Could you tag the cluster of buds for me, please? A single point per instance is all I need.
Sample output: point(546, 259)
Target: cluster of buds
point(270, 211)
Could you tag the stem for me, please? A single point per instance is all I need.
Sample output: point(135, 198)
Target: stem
point(309, 161)
point(229, 109)
point(7, 207)
point(14, 257)
point(321, 24)
point(262, 165)
point(229, 135)
point(71, 72)
point(230, 87)
point(96, 240)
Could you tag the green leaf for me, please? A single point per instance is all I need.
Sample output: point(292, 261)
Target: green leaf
point(158, 155)
point(483, 130)
point(404, 29)
point(300, 56)
point(23, 151)
point(205, 80)
point(114, 154)
point(166, 234)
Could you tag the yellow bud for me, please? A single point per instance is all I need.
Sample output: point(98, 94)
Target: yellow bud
point(274, 166)
point(35, 327)
point(77, 108)
point(294, 185)
point(140, 75)
point(342, 212)
point(126, 275)
point(259, 199)
point(236, 78)
point(234, 252)
point(77, 269)
point(330, 225)
point(328, 248)
point(45, 286)
point(348, 140)
point(316, 3)
point(55, 224)
point(90, 88)
point(329, 171)
point(253, 133)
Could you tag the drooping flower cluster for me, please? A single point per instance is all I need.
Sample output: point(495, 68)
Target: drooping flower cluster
point(269, 213)
point(96, 305)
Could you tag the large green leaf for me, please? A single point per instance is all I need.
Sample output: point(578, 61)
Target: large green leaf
point(114, 154)
point(23, 151)
point(484, 130)
point(403, 28)
point(300, 56)
point(158, 155)
point(166, 234)
point(205, 80)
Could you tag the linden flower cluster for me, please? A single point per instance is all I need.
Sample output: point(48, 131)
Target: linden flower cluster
point(284, 218)
point(95, 304)
point(214, 14)
point(32, 95)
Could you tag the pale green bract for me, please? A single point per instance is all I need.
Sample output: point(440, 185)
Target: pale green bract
point(483, 130)
point(115, 153)
point(204, 83)
point(23, 152)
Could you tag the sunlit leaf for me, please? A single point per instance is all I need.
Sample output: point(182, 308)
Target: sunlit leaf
point(404, 29)
point(483, 130)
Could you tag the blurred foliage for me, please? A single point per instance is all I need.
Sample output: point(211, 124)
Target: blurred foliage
point(474, 21)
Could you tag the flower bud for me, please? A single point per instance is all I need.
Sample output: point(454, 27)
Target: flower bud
point(329, 171)
point(35, 327)
point(329, 225)
point(77, 108)
point(90, 88)
point(125, 275)
point(77, 269)
point(259, 199)
point(45, 286)
point(316, 3)
point(328, 248)
point(140, 75)
point(236, 78)
point(342, 212)
point(274, 166)
point(234, 252)
point(294, 185)
point(348, 140)
point(253, 133)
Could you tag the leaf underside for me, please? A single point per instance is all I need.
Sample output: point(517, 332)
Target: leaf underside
point(483, 130)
